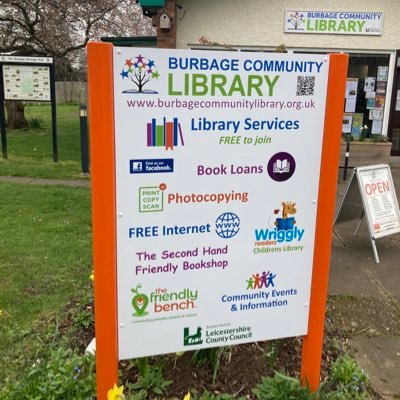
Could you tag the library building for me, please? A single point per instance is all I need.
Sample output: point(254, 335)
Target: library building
point(367, 31)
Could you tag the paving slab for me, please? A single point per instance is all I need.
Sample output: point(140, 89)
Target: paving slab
point(352, 281)
point(380, 358)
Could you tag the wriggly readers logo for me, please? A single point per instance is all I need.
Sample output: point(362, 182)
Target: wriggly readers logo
point(140, 71)
point(283, 230)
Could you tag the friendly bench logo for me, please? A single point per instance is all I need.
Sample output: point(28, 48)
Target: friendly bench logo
point(162, 301)
point(140, 71)
point(283, 231)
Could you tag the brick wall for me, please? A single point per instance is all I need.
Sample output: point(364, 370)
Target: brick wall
point(166, 38)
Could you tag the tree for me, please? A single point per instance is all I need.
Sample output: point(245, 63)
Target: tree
point(61, 28)
point(140, 70)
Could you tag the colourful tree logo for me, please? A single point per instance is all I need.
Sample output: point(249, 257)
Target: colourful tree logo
point(140, 70)
point(296, 19)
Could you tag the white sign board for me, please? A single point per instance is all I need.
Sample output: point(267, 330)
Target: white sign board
point(217, 169)
point(379, 199)
point(26, 59)
point(334, 22)
point(26, 82)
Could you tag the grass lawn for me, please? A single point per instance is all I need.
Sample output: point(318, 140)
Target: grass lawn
point(30, 151)
point(45, 259)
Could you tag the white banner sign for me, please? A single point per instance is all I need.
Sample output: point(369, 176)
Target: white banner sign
point(217, 170)
point(26, 82)
point(334, 22)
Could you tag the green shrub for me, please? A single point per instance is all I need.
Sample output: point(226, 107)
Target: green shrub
point(60, 375)
point(348, 380)
point(35, 123)
point(282, 387)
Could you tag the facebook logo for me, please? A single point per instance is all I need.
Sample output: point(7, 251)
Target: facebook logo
point(136, 166)
point(151, 166)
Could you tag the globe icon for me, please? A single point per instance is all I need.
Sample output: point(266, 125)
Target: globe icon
point(227, 225)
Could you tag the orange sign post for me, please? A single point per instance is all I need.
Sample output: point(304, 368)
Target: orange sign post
point(102, 125)
point(312, 343)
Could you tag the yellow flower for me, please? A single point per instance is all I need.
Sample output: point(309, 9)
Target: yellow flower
point(116, 393)
point(1, 312)
point(91, 277)
point(187, 397)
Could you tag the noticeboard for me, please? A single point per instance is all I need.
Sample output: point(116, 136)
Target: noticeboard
point(215, 234)
point(26, 82)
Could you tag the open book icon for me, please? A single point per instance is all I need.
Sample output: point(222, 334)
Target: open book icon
point(281, 166)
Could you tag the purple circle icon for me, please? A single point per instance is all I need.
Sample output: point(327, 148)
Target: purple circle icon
point(281, 166)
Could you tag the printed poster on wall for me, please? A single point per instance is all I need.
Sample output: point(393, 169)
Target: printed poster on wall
point(369, 84)
point(351, 88)
point(357, 125)
point(215, 231)
point(382, 74)
point(347, 121)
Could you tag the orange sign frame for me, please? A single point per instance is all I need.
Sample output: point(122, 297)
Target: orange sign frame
point(101, 117)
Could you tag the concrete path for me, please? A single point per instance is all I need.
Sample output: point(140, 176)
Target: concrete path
point(38, 181)
point(353, 274)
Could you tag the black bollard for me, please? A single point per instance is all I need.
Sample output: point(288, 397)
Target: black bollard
point(346, 159)
point(84, 140)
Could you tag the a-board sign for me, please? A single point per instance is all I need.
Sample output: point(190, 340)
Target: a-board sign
point(213, 188)
point(215, 234)
point(380, 201)
point(26, 82)
point(371, 193)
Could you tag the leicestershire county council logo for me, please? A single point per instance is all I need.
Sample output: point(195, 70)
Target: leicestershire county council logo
point(191, 340)
point(227, 225)
point(140, 71)
point(167, 134)
point(139, 302)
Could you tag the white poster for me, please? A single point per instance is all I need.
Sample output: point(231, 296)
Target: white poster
point(351, 88)
point(369, 84)
point(347, 122)
point(380, 201)
point(376, 128)
point(376, 113)
point(215, 232)
point(350, 105)
point(382, 75)
point(26, 82)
